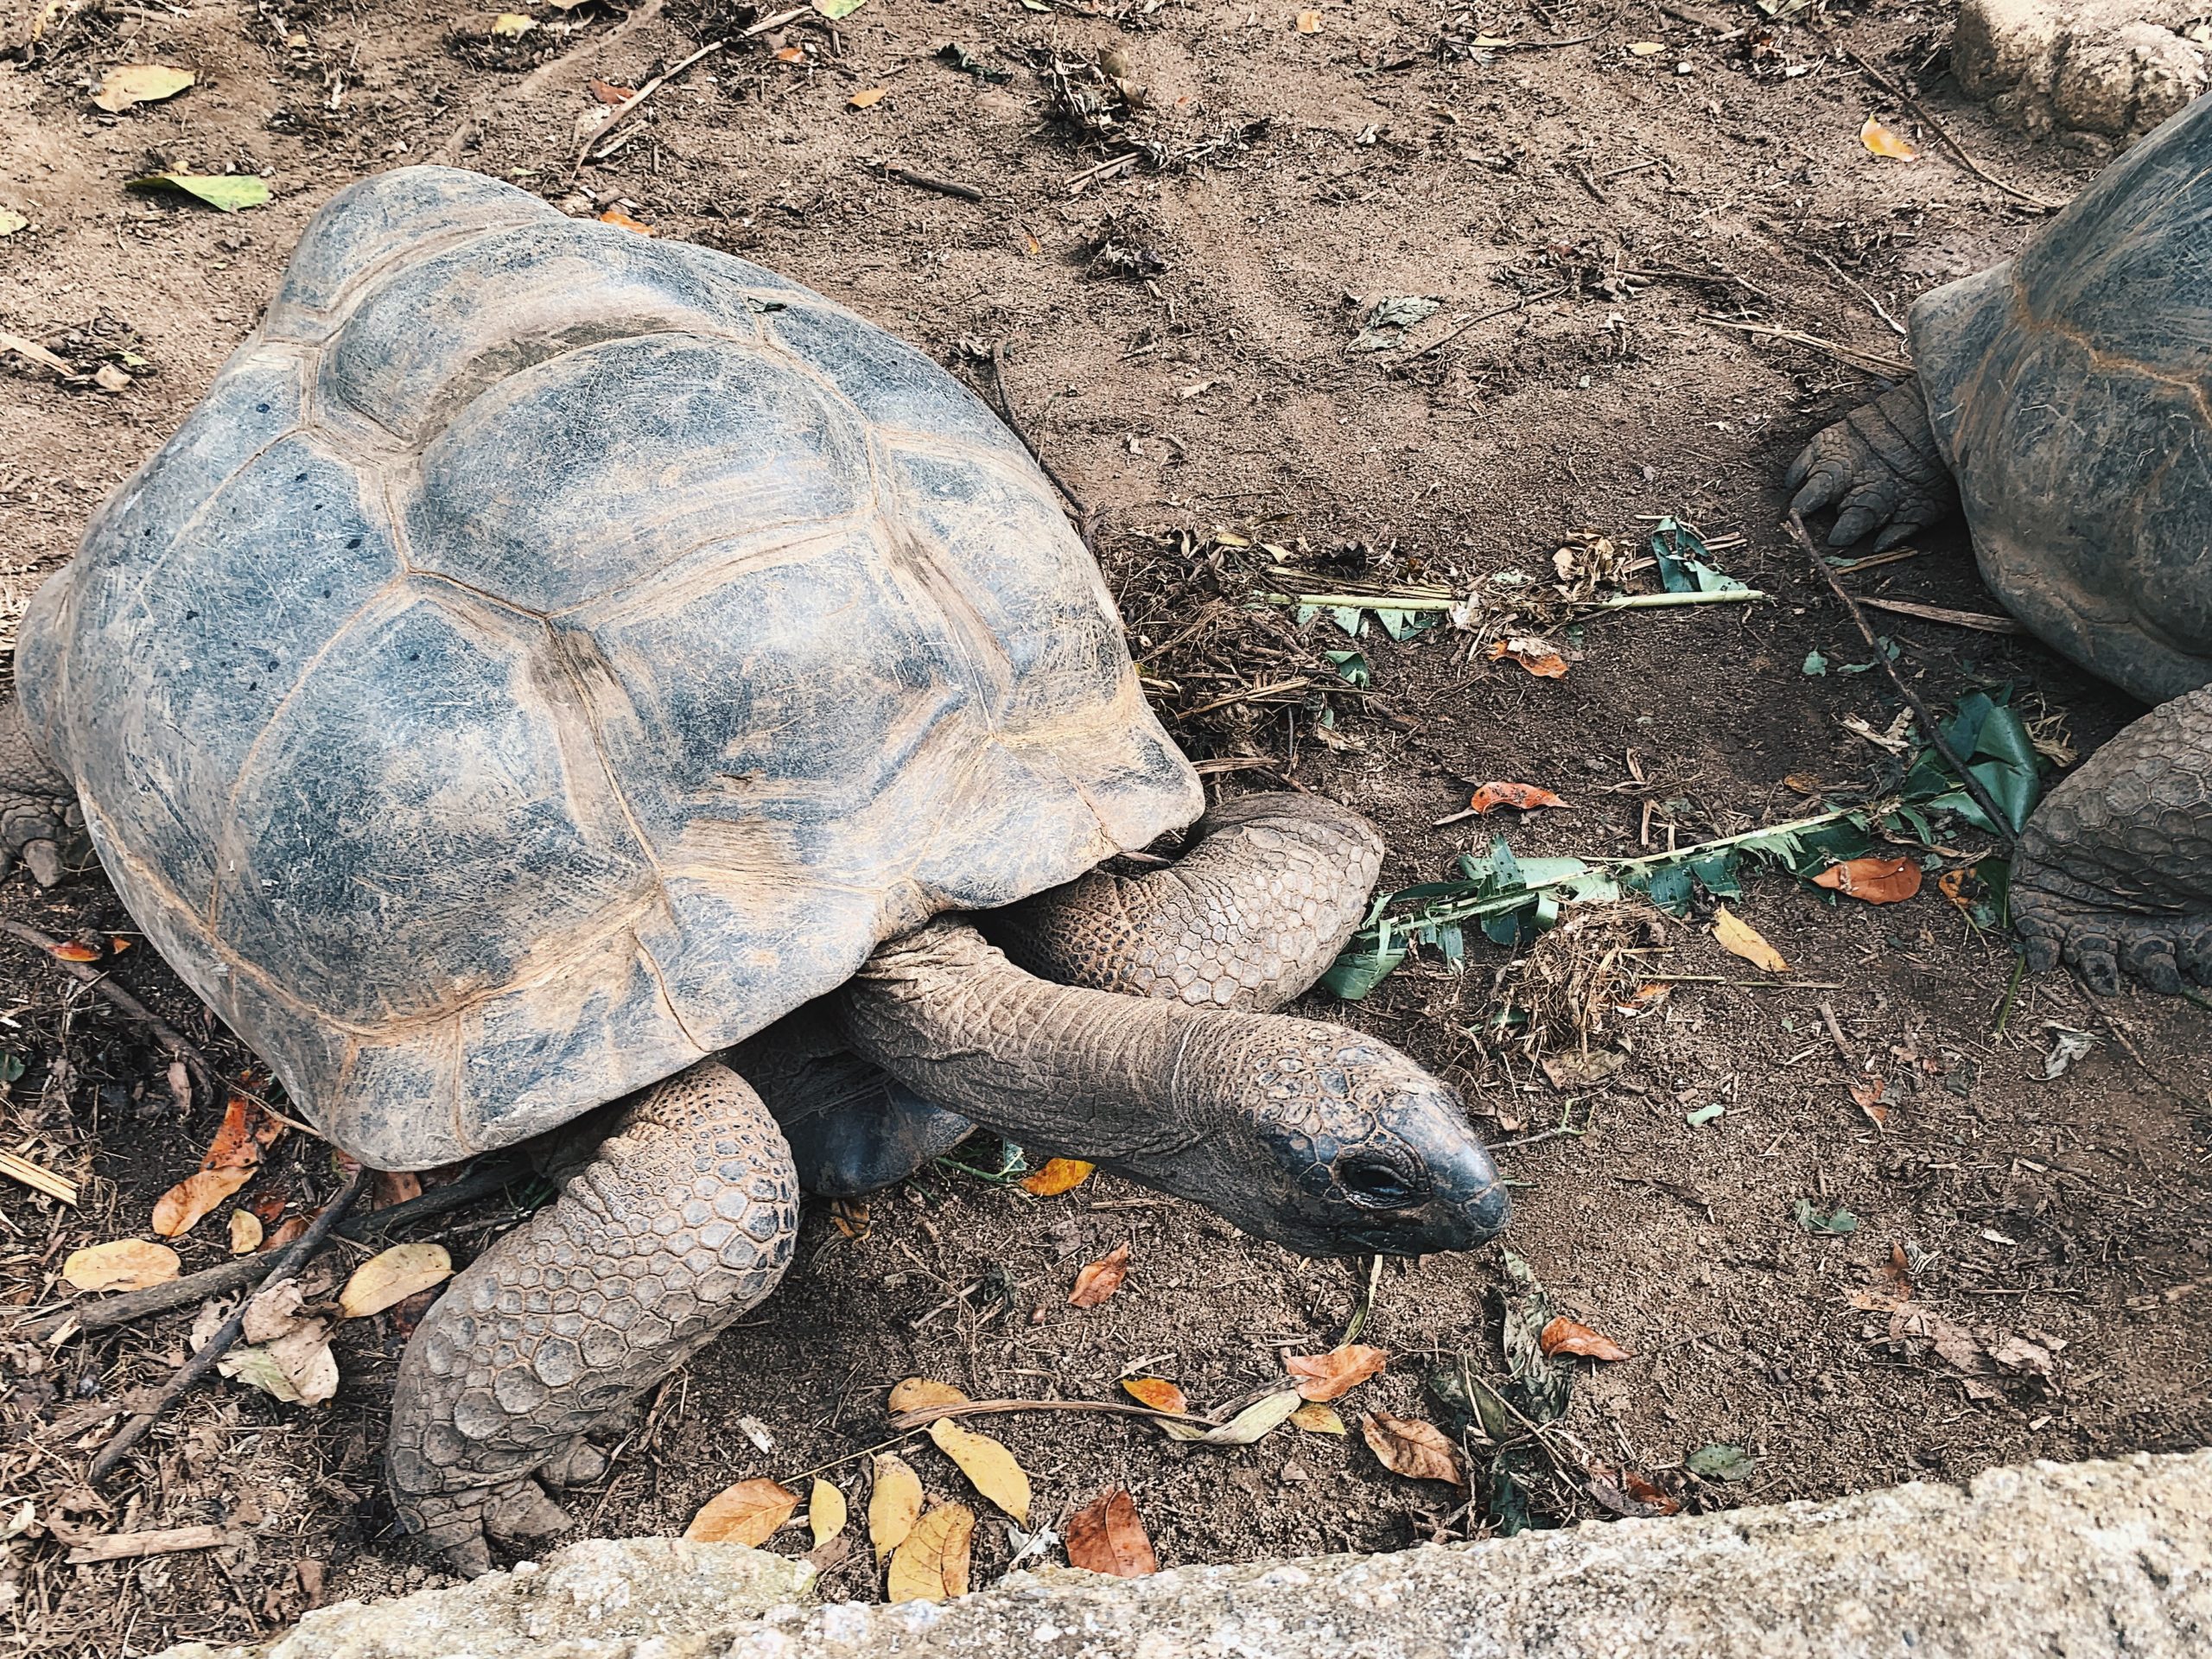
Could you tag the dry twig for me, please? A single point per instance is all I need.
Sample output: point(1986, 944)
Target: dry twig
point(180, 1047)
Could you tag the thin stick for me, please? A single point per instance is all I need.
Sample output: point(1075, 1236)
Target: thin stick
point(1880, 362)
point(1670, 601)
point(218, 1344)
point(1981, 620)
point(1999, 823)
point(1014, 421)
point(1525, 300)
point(1743, 984)
point(227, 1276)
point(943, 186)
point(167, 1035)
point(921, 1416)
point(1934, 126)
point(630, 105)
point(527, 87)
point(1864, 293)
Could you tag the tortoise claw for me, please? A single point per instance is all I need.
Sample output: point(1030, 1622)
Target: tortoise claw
point(44, 858)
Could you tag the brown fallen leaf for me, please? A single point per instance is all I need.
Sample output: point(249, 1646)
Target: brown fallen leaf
point(1248, 1427)
point(246, 1232)
point(1649, 1492)
point(393, 1276)
point(1534, 654)
point(867, 98)
point(826, 1512)
point(606, 92)
point(246, 1129)
point(1156, 1392)
point(1317, 1419)
point(931, 1565)
point(291, 1232)
point(1406, 1446)
point(1059, 1175)
point(989, 1467)
point(395, 1186)
point(76, 950)
point(1876, 880)
point(1882, 141)
point(1337, 1373)
point(1866, 1095)
point(850, 1217)
point(1565, 1336)
point(748, 1513)
point(1952, 884)
point(616, 216)
point(1107, 1536)
point(1102, 1278)
point(1739, 939)
point(286, 1353)
point(139, 83)
point(919, 1393)
point(120, 1264)
point(1309, 23)
point(894, 1502)
point(1525, 797)
point(178, 1210)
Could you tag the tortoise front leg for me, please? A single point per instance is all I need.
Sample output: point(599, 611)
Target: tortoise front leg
point(2114, 874)
point(684, 1221)
point(41, 822)
point(1880, 467)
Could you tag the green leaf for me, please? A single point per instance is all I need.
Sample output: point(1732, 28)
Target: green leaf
point(1350, 618)
point(1834, 1224)
point(833, 10)
point(11, 1067)
point(1718, 1462)
point(1364, 962)
point(1704, 1114)
point(1815, 664)
point(1544, 1385)
point(1350, 666)
point(228, 191)
point(1686, 563)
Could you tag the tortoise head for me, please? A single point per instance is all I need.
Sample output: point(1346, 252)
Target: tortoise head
point(1328, 1142)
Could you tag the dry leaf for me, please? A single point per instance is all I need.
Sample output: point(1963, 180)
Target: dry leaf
point(1329, 1376)
point(1309, 23)
point(289, 1233)
point(865, 100)
point(1565, 1336)
point(1317, 1419)
point(1059, 1175)
point(1650, 1493)
point(893, 1502)
point(392, 1276)
point(1952, 884)
point(1156, 1392)
point(139, 83)
point(1740, 938)
point(286, 1354)
point(511, 26)
point(850, 1217)
point(1525, 797)
point(791, 54)
point(1646, 49)
point(1102, 1278)
point(246, 1232)
point(918, 1393)
point(120, 1264)
point(245, 1129)
point(393, 1186)
point(1250, 1425)
point(178, 1210)
point(825, 1512)
point(931, 1565)
point(1876, 880)
point(1406, 1446)
point(1534, 654)
point(76, 950)
point(747, 1513)
point(1882, 141)
point(616, 216)
point(987, 1464)
point(1867, 1095)
point(607, 94)
point(1106, 1536)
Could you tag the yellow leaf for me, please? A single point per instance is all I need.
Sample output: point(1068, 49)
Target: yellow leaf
point(825, 1512)
point(1309, 23)
point(392, 1276)
point(1317, 1419)
point(867, 99)
point(178, 1210)
point(987, 1463)
point(512, 25)
point(139, 83)
point(931, 1565)
point(120, 1264)
point(893, 1505)
point(1740, 938)
point(1059, 1175)
point(747, 1513)
point(246, 1232)
point(1156, 1392)
point(919, 1393)
point(1646, 49)
point(1882, 141)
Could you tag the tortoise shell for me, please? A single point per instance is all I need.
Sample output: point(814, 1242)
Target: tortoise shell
point(2069, 389)
point(548, 655)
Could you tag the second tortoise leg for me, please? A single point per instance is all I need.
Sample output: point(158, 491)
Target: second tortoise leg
point(684, 1221)
point(2114, 874)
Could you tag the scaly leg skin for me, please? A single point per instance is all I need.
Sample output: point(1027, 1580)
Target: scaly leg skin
point(1880, 468)
point(41, 822)
point(684, 1221)
point(2114, 874)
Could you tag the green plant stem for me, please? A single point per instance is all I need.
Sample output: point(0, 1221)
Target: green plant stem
point(1667, 601)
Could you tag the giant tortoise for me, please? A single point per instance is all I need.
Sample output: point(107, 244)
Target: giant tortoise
point(2064, 402)
point(548, 658)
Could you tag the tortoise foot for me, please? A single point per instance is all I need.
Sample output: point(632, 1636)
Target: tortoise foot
point(2165, 953)
point(1880, 468)
point(42, 826)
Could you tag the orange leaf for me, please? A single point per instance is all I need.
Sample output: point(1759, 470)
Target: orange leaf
point(396, 1187)
point(1327, 1377)
point(1882, 141)
point(245, 1129)
point(75, 951)
point(866, 99)
point(918, 1392)
point(1565, 1336)
point(290, 1234)
point(1409, 1446)
point(1059, 1175)
point(1106, 1536)
point(1525, 797)
point(791, 54)
point(616, 216)
point(1866, 1095)
point(747, 1513)
point(117, 944)
point(1878, 880)
point(1156, 1392)
point(178, 1210)
point(1534, 655)
point(1102, 1278)
point(850, 1216)
point(607, 94)
point(1650, 1493)
point(1952, 884)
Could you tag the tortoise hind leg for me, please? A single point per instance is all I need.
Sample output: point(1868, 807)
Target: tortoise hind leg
point(684, 1221)
point(2114, 874)
point(1879, 468)
point(41, 822)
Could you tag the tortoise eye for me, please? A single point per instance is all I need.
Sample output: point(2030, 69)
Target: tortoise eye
point(1376, 1183)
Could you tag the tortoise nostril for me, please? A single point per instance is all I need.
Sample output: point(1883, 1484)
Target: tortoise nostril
point(1376, 1184)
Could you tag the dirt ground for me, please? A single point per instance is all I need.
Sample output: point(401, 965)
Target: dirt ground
point(1176, 336)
